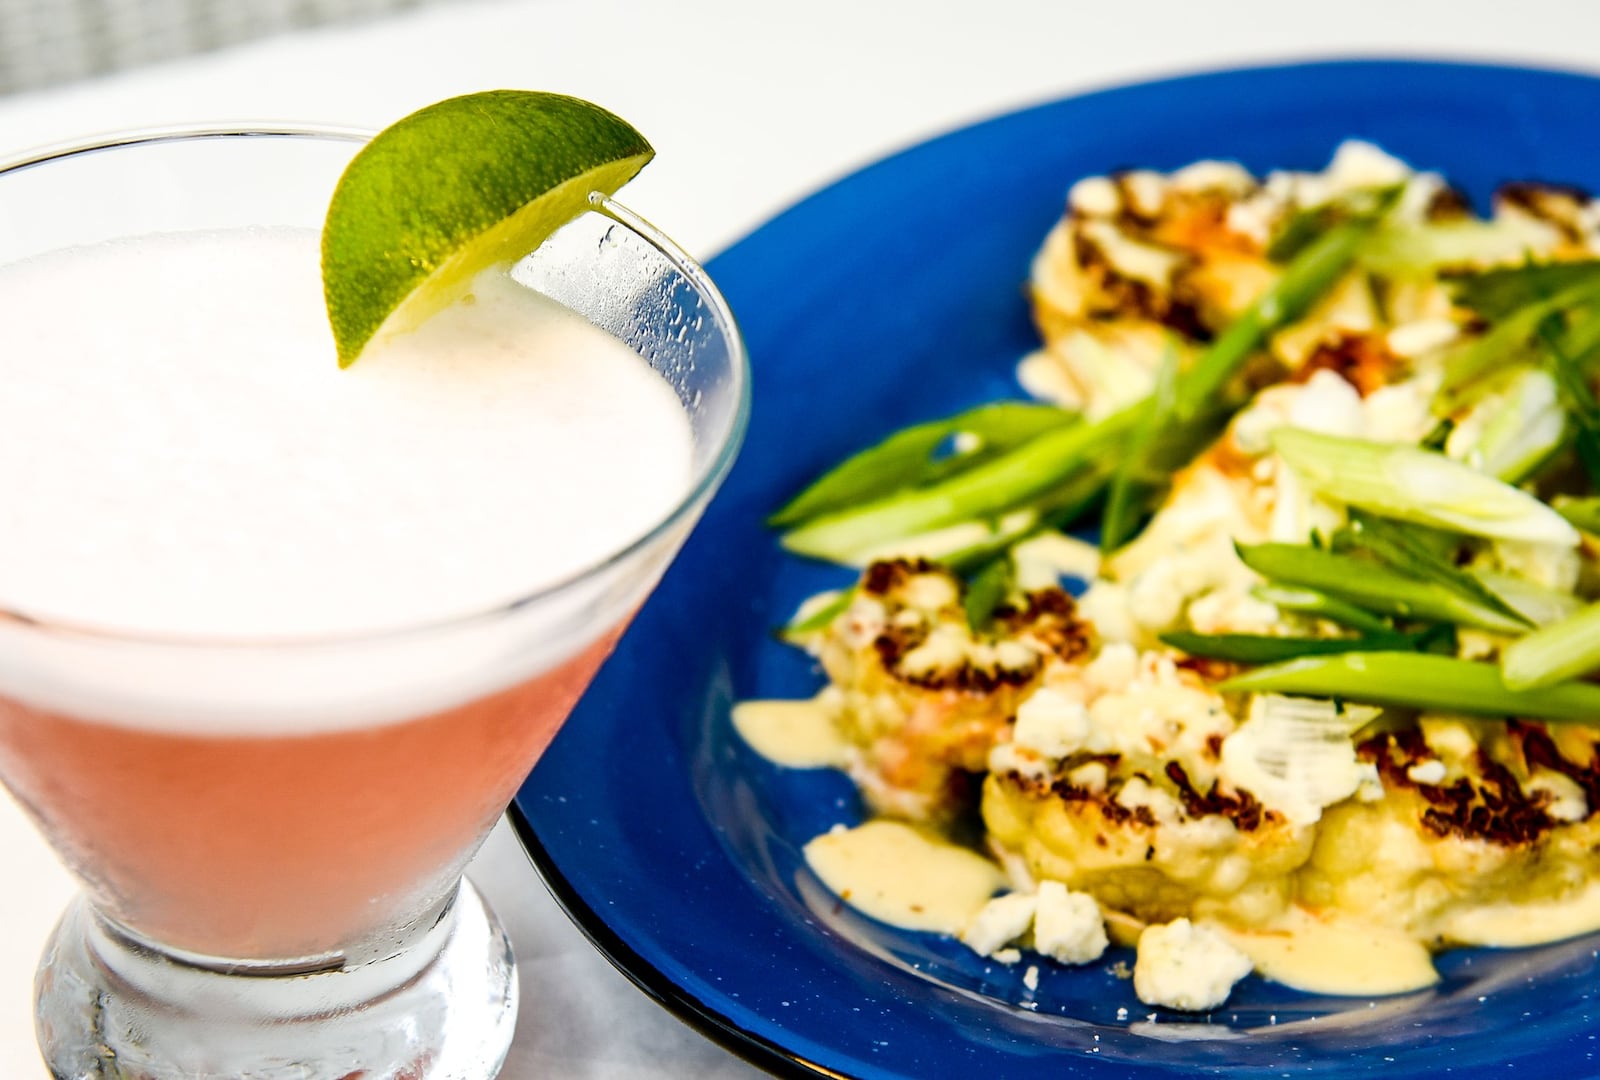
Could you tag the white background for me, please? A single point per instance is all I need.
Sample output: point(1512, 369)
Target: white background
point(750, 106)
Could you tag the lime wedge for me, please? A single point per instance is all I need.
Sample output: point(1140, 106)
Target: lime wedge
point(455, 188)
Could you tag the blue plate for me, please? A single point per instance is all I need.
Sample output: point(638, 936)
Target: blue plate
point(893, 296)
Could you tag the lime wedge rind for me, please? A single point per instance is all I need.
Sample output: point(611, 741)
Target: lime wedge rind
point(455, 188)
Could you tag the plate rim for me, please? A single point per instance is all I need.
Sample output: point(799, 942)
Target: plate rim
point(686, 1005)
point(646, 976)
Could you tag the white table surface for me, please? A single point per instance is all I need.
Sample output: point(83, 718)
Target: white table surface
point(750, 106)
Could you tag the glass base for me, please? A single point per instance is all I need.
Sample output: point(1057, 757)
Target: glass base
point(443, 1009)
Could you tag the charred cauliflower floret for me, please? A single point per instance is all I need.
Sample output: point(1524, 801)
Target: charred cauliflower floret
point(1143, 262)
point(921, 695)
point(1114, 786)
point(1473, 815)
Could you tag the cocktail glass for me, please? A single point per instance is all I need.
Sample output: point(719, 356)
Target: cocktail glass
point(289, 903)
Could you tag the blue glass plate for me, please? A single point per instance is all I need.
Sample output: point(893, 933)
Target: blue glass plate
point(893, 296)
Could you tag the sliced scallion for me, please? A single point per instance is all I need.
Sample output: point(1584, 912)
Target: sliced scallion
point(1420, 681)
point(987, 589)
point(1372, 585)
point(908, 458)
point(1412, 484)
point(1552, 654)
point(1319, 605)
point(1118, 520)
point(1498, 292)
point(1271, 649)
point(985, 491)
point(1582, 512)
point(817, 614)
point(1403, 550)
point(1578, 397)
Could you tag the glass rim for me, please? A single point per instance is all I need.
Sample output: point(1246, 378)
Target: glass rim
point(704, 481)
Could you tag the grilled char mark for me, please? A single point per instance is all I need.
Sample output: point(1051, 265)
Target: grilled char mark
point(886, 575)
point(1243, 809)
point(1539, 751)
point(894, 642)
point(1050, 616)
point(1393, 753)
point(1362, 360)
point(1447, 204)
point(970, 678)
point(1555, 204)
point(1492, 808)
point(1104, 800)
point(1126, 296)
point(1211, 670)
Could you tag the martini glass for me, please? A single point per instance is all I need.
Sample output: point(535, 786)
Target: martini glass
point(271, 896)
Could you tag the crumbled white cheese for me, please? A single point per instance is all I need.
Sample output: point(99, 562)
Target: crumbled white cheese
point(1184, 966)
point(1091, 776)
point(1105, 605)
point(1044, 559)
point(1355, 165)
point(1225, 611)
point(1400, 412)
point(1448, 737)
point(1329, 404)
point(1371, 789)
point(998, 923)
point(1030, 978)
point(1159, 720)
point(1095, 196)
point(941, 650)
point(1146, 191)
point(1014, 656)
point(863, 621)
point(1114, 668)
point(1044, 377)
point(1225, 176)
point(1137, 792)
point(1051, 723)
point(1360, 164)
point(1567, 801)
point(1255, 216)
point(1157, 597)
point(1067, 926)
point(930, 592)
point(1430, 772)
point(1130, 258)
point(1007, 757)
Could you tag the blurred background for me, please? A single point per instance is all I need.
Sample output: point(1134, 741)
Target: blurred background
point(44, 42)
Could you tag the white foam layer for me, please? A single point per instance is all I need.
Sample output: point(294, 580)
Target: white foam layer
point(180, 455)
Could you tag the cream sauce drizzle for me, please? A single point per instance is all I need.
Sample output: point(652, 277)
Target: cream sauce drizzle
point(903, 876)
point(798, 734)
point(1335, 955)
point(1512, 926)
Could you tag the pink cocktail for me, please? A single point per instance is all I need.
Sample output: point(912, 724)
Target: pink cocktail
point(278, 642)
